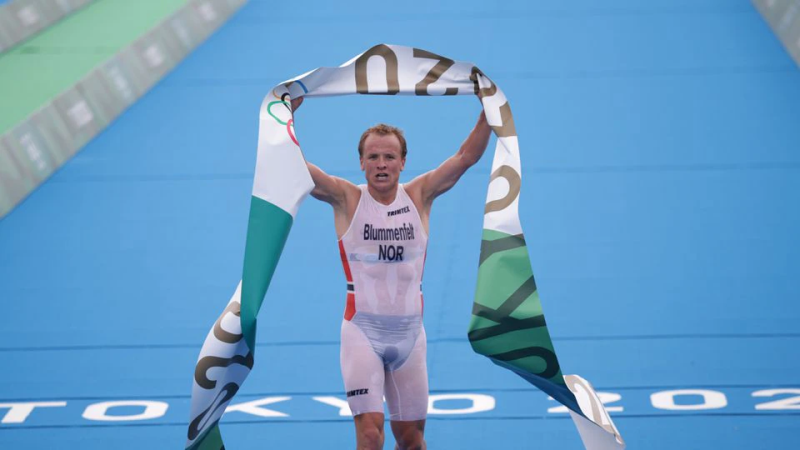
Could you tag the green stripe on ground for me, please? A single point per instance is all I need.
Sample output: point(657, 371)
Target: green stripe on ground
point(37, 71)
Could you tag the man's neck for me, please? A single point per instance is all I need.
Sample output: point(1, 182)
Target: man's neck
point(384, 198)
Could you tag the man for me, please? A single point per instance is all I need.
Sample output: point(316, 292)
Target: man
point(383, 232)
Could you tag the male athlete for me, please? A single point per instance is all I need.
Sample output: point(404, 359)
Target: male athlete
point(383, 234)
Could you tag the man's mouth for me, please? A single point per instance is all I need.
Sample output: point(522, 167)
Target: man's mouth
point(382, 176)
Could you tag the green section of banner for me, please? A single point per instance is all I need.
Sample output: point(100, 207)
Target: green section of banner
point(211, 441)
point(508, 323)
point(267, 232)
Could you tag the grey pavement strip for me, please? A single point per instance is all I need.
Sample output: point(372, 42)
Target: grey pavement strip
point(35, 148)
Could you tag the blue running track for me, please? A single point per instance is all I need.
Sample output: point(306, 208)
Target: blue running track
point(660, 203)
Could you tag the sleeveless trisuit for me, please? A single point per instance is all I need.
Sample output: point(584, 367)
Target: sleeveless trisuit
point(383, 346)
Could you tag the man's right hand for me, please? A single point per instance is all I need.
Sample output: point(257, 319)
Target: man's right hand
point(296, 102)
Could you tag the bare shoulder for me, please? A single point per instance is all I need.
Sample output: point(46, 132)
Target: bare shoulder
point(331, 189)
point(343, 212)
point(352, 193)
point(414, 188)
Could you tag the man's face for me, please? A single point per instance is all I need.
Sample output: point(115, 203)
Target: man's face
point(382, 161)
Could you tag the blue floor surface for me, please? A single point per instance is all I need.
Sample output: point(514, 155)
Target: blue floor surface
point(659, 148)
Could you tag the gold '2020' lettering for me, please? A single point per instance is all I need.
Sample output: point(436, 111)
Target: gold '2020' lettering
point(434, 74)
point(392, 77)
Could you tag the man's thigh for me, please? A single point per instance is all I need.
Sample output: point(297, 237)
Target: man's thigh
point(362, 372)
point(406, 388)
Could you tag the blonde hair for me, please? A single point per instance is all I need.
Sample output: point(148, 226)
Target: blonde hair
point(382, 129)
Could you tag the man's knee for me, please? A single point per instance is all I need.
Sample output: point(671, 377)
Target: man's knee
point(410, 439)
point(370, 438)
point(418, 445)
point(369, 431)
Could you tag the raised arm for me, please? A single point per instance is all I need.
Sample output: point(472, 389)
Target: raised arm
point(327, 188)
point(439, 180)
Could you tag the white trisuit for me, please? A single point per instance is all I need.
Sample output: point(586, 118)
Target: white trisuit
point(383, 341)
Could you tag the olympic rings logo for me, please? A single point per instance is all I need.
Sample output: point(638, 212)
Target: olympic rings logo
point(282, 100)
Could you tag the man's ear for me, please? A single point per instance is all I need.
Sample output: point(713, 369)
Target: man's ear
point(361, 161)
